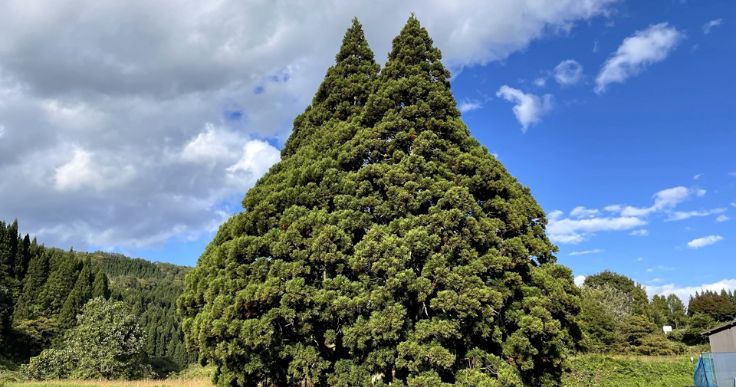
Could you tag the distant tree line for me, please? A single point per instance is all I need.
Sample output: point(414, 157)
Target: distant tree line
point(617, 316)
point(43, 290)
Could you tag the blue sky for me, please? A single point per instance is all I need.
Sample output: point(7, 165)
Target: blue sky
point(670, 125)
point(140, 135)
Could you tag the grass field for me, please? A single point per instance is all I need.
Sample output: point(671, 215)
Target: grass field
point(586, 370)
point(625, 371)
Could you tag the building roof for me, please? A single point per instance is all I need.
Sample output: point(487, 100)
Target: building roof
point(720, 328)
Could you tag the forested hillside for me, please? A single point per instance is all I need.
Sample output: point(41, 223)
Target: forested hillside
point(43, 289)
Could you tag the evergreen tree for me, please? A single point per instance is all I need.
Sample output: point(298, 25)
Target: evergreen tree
point(405, 253)
point(24, 257)
point(64, 271)
point(38, 271)
point(660, 311)
point(343, 92)
point(101, 286)
point(80, 294)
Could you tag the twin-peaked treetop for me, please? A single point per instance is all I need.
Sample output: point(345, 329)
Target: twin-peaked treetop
point(388, 247)
point(343, 92)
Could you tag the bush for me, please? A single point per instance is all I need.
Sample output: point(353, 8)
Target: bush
point(106, 344)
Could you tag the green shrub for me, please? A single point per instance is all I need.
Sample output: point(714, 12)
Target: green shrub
point(106, 344)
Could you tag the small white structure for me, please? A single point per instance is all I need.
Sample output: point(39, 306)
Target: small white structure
point(667, 329)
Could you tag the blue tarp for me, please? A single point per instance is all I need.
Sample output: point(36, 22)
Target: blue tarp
point(705, 375)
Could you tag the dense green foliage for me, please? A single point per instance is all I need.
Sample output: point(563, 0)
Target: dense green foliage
point(43, 289)
point(718, 306)
point(618, 371)
point(388, 246)
point(617, 317)
point(105, 343)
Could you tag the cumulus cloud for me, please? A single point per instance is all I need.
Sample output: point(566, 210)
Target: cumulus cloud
point(579, 280)
point(639, 232)
point(129, 123)
point(82, 172)
point(685, 292)
point(708, 26)
point(528, 108)
point(722, 218)
point(664, 199)
point(704, 241)
point(636, 52)
point(469, 106)
point(569, 72)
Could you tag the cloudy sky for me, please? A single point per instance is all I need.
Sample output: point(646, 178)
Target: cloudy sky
point(137, 126)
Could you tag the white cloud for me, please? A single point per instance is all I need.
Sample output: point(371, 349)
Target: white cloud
point(528, 107)
point(468, 106)
point(257, 157)
point(576, 230)
point(579, 280)
point(722, 218)
point(119, 128)
point(582, 212)
point(707, 27)
point(585, 252)
point(685, 292)
point(664, 199)
point(704, 241)
point(583, 222)
point(682, 215)
point(698, 176)
point(81, 171)
point(212, 145)
point(568, 72)
point(636, 52)
point(540, 82)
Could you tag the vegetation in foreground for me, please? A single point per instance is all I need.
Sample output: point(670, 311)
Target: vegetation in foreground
point(43, 289)
point(626, 371)
point(585, 371)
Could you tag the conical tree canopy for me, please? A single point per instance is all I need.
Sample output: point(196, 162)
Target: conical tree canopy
point(343, 92)
point(402, 253)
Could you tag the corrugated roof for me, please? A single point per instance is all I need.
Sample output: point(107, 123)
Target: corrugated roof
point(720, 328)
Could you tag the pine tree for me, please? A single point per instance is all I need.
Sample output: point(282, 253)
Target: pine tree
point(101, 286)
point(80, 294)
point(403, 253)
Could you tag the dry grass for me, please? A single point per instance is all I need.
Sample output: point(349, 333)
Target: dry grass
point(197, 382)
